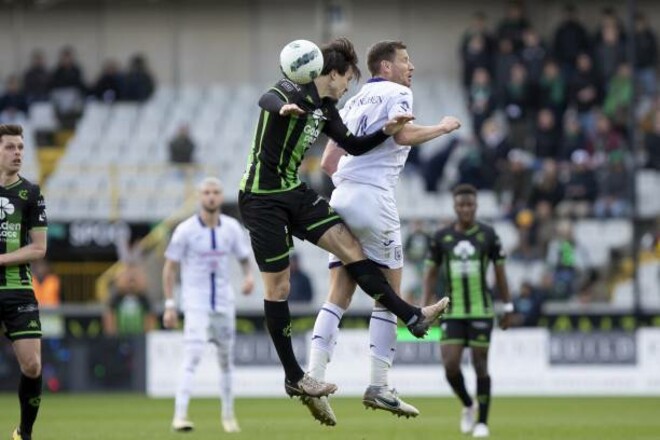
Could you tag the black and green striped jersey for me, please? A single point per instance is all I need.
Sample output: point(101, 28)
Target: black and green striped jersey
point(280, 142)
point(464, 258)
point(22, 209)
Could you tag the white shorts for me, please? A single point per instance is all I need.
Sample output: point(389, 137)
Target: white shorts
point(371, 215)
point(204, 326)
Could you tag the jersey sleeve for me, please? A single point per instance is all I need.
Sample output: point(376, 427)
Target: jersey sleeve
point(496, 252)
point(177, 246)
point(241, 248)
point(399, 104)
point(37, 211)
point(434, 253)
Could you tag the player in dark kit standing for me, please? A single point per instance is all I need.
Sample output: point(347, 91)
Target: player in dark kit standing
point(463, 251)
point(22, 240)
point(275, 205)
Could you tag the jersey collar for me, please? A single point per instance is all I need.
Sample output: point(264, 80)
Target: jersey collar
point(376, 79)
point(201, 221)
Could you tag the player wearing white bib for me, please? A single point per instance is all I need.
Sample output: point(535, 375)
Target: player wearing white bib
point(201, 247)
point(364, 197)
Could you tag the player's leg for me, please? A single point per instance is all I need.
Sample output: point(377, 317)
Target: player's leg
point(195, 325)
point(223, 335)
point(454, 338)
point(267, 219)
point(479, 340)
point(28, 354)
point(339, 241)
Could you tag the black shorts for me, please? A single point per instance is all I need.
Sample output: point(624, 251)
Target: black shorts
point(272, 219)
point(467, 332)
point(19, 314)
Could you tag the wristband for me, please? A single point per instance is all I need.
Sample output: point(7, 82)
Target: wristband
point(508, 307)
point(170, 303)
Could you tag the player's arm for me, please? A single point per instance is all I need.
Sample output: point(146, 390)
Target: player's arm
point(281, 99)
point(248, 279)
point(170, 271)
point(358, 145)
point(413, 134)
point(33, 251)
point(331, 156)
point(498, 258)
point(109, 317)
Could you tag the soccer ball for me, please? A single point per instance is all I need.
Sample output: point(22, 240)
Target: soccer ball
point(301, 61)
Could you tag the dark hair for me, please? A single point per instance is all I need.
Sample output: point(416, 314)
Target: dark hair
point(382, 51)
point(10, 130)
point(464, 189)
point(340, 55)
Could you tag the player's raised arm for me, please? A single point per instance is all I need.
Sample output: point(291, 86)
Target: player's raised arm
point(413, 134)
point(282, 98)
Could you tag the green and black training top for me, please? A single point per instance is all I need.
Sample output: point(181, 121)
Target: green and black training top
point(280, 142)
point(464, 258)
point(22, 209)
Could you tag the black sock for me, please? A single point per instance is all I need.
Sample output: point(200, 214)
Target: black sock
point(278, 321)
point(29, 396)
point(458, 385)
point(483, 396)
point(372, 280)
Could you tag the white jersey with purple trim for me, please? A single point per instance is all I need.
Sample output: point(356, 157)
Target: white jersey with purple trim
point(377, 101)
point(203, 254)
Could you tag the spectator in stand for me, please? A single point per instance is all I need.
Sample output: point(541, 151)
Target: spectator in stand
point(415, 250)
point(547, 135)
point(129, 312)
point(573, 137)
point(36, 79)
point(567, 261)
point(646, 56)
point(301, 290)
point(517, 104)
point(652, 145)
point(585, 93)
point(13, 100)
point(476, 55)
point(547, 189)
point(515, 184)
point(609, 19)
point(182, 147)
point(139, 82)
point(581, 189)
point(571, 39)
point(552, 90)
point(46, 285)
point(609, 53)
point(504, 60)
point(495, 148)
point(606, 141)
point(528, 306)
point(533, 55)
point(614, 193)
point(481, 99)
point(110, 84)
point(67, 73)
point(619, 96)
point(512, 26)
point(479, 26)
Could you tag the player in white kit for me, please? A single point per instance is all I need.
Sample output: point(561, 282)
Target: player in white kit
point(364, 197)
point(201, 246)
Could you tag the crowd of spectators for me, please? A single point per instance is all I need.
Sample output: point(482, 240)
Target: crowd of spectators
point(66, 86)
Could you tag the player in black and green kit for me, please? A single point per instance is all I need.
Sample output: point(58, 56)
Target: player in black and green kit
point(463, 251)
point(275, 205)
point(22, 240)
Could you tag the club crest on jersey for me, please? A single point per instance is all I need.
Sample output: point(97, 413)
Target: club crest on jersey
point(23, 194)
point(464, 249)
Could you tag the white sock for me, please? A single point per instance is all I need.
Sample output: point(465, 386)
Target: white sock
point(192, 355)
point(226, 361)
point(324, 339)
point(382, 344)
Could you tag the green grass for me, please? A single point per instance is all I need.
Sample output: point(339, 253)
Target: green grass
point(135, 417)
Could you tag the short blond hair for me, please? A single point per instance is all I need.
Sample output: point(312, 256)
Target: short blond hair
point(210, 180)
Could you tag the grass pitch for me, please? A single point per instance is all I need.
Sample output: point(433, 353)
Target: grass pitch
point(135, 417)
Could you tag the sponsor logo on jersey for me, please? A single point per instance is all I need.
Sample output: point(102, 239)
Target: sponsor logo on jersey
point(9, 231)
point(6, 208)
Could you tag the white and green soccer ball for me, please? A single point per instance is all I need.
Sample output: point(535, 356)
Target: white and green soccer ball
point(301, 61)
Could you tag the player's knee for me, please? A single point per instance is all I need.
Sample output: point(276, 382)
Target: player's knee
point(452, 369)
point(31, 367)
point(279, 290)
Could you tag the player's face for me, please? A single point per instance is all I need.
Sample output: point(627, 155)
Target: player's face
point(210, 198)
point(465, 206)
point(11, 153)
point(402, 68)
point(339, 84)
